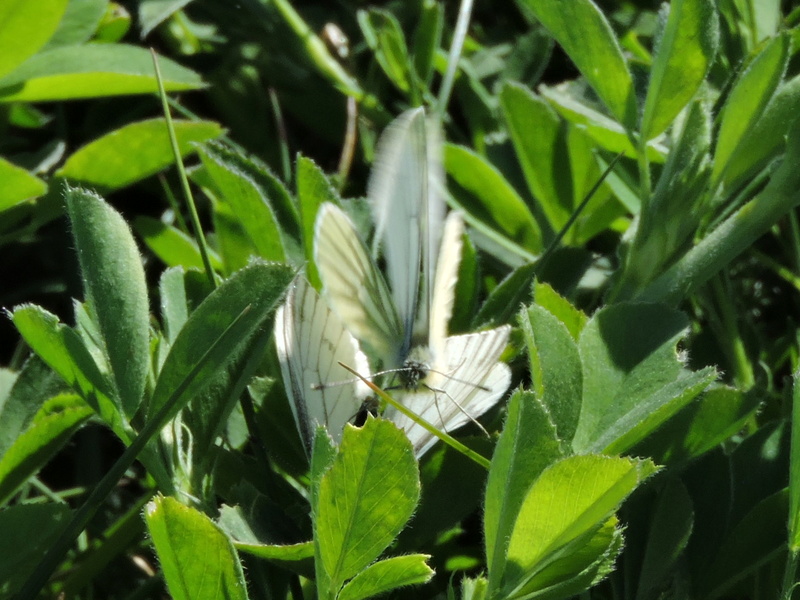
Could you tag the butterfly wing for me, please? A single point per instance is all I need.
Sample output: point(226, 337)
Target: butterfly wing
point(444, 285)
point(354, 286)
point(398, 195)
point(311, 340)
point(471, 381)
point(432, 230)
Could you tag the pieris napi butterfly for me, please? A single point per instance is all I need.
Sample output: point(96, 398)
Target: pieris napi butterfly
point(311, 341)
point(447, 380)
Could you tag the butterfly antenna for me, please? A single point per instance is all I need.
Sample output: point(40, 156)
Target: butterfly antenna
point(460, 408)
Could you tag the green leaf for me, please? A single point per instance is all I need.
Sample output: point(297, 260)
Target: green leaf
point(57, 420)
point(757, 538)
point(115, 287)
point(286, 553)
point(669, 533)
point(570, 499)
point(538, 136)
point(233, 243)
point(249, 295)
point(507, 297)
point(114, 25)
point(587, 38)
point(25, 27)
point(133, 153)
point(491, 198)
point(171, 245)
point(18, 185)
point(748, 98)
point(720, 413)
point(527, 446)
point(794, 470)
point(676, 206)
point(64, 351)
point(555, 367)
point(385, 38)
point(583, 562)
point(154, 12)
point(652, 412)
point(197, 559)
point(313, 189)
point(767, 137)
point(174, 302)
point(572, 318)
point(365, 498)
point(79, 23)
point(735, 234)
point(26, 392)
point(28, 530)
point(92, 71)
point(248, 203)
point(269, 185)
point(606, 132)
point(683, 57)
point(628, 354)
point(386, 575)
point(427, 39)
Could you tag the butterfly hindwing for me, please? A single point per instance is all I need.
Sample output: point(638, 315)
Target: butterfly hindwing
point(444, 285)
point(310, 341)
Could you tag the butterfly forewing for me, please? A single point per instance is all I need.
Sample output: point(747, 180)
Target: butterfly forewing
point(311, 340)
point(354, 286)
point(397, 192)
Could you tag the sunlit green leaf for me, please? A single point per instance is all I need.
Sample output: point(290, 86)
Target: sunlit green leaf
point(386, 575)
point(92, 70)
point(25, 27)
point(527, 446)
point(582, 30)
point(18, 185)
point(133, 152)
point(571, 499)
point(365, 498)
point(197, 559)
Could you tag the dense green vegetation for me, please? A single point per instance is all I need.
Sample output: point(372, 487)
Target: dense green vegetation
point(628, 175)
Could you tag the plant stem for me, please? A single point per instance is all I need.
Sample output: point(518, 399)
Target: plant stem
point(459, 35)
point(788, 575)
point(187, 192)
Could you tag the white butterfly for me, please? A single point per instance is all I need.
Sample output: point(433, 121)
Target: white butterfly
point(311, 340)
point(461, 377)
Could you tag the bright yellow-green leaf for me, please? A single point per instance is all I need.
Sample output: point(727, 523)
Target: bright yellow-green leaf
point(18, 185)
point(570, 499)
point(25, 27)
point(133, 152)
point(365, 498)
point(92, 71)
point(197, 559)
